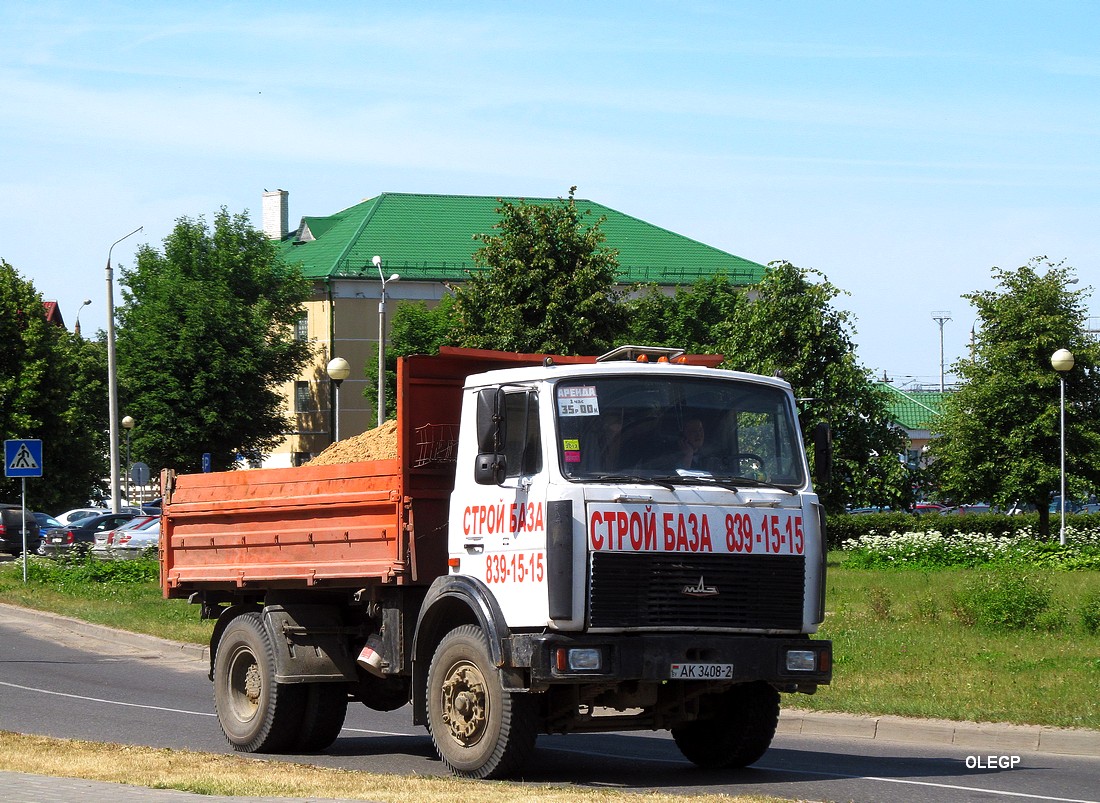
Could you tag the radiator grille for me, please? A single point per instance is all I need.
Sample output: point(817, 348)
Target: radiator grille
point(647, 590)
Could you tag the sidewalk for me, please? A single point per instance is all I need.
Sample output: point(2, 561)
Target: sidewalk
point(983, 738)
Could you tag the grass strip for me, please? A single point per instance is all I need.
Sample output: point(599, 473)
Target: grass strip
point(231, 775)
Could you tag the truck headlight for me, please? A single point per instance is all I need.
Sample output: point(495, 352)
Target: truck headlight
point(578, 659)
point(801, 660)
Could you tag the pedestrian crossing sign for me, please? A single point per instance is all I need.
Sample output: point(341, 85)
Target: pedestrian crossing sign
point(23, 458)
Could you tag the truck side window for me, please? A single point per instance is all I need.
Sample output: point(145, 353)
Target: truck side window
point(523, 451)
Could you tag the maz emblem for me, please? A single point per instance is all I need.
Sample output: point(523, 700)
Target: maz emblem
point(700, 590)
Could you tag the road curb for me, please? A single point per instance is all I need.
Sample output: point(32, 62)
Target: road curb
point(983, 737)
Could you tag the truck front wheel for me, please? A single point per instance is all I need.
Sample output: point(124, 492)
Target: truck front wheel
point(257, 714)
point(479, 730)
point(738, 729)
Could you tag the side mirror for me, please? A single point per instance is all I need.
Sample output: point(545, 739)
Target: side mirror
point(823, 455)
point(492, 434)
point(492, 425)
point(490, 469)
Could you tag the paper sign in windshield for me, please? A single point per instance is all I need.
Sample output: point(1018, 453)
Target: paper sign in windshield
point(578, 401)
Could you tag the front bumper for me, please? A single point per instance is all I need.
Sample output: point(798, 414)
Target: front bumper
point(649, 657)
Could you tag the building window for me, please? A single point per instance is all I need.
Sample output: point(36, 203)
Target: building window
point(300, 458)
point(303, 398)
point(301, 328)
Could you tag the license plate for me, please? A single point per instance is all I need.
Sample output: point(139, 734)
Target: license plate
point(701, 672)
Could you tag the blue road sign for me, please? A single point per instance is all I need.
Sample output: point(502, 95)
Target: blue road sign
point(23, 458)
point(206, 467)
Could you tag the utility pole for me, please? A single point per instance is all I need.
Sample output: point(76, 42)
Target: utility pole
point(941, 317)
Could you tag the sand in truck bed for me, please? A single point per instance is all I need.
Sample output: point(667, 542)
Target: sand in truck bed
point(379, 443)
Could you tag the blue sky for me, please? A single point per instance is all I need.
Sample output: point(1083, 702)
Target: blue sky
point(900, 150)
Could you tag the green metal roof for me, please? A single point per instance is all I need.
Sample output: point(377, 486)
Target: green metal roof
point(430, 237)
point(913, 409)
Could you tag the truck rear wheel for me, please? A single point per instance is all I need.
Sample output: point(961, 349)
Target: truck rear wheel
point(257, 714)
point(326, 706)
point(479, 730)
point(739, 731)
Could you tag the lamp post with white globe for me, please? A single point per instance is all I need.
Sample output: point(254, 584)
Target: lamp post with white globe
point(1062, 361)
point(338, 370)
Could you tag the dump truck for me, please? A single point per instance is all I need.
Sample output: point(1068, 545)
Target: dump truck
point(557, 545)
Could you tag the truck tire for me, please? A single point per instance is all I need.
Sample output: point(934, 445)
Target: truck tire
point(257, 714)
point(479, 730)
point(326, 705)
point(739, 731)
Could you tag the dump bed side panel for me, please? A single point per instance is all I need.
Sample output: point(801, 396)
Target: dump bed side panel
point(296, 527)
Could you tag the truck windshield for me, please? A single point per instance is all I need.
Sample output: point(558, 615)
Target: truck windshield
point(670, 428)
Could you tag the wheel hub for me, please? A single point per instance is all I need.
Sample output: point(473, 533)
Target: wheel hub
point(252, 684)
point(464, 702)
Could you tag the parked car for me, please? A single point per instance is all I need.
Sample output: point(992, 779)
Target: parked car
point(129, 540)
point(153, 507)
point(46, 521)
point(11, 530)
point(929, 508)
point(141, 542)
point(975, 508)
point(77, 513)
point(80, 536)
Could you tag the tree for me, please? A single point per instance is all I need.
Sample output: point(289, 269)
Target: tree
point(48, 380)
point(999, 435)
point(205, 340)
point(792, 330)
point(547, 284)
point(687, 319)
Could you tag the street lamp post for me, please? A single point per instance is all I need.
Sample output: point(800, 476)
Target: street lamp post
point(1062, 361)
point(76, 324)
point(112, 372)
point(338, 370)
point(128, 424)
point(377, 260)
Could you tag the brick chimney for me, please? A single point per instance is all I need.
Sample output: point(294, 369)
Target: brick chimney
point(276, 214)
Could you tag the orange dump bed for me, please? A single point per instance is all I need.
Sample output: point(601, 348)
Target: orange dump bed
point(348, 525)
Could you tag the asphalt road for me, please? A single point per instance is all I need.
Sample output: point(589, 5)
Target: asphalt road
point(56, 681)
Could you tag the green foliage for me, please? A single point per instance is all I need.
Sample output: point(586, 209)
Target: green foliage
point(879, 600)
point(842, 527)
point(686, 319)
point(1003, 601)
point(205, 339)
point(1089, 613)
point(932, 548)
point(51, 388)
point(73, 572)
point(792, 330)
point(547, 284)
point(999, 434)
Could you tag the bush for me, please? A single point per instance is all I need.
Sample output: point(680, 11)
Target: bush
point(1003, 601)
point(848, 527)
point(73, 571)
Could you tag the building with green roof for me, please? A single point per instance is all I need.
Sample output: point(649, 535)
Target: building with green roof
point(428, 241)
point(916, 412)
